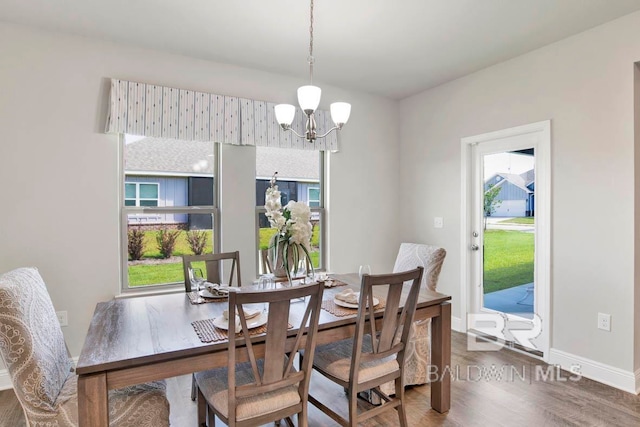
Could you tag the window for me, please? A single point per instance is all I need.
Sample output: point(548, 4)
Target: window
point(140, 194)
point(169, 208)
point(313, 197)
point(300, 178)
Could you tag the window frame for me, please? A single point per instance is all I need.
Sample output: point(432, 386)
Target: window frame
point(125, 211)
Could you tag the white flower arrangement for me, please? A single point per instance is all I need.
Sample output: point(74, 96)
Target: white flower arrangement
point(294, 229)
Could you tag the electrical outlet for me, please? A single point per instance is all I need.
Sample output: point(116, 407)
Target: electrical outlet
point(438, 222)
point(62, 318)
point(604, 322)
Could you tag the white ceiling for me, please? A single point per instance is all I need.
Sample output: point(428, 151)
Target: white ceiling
point(393, 48)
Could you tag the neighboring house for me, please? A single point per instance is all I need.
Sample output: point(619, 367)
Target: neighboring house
point(298, 176)
point(164, 172)
point(517, 193)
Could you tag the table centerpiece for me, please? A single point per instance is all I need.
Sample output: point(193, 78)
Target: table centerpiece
point(292, 241)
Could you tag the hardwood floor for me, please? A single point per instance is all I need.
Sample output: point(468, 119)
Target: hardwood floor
point(488, 389)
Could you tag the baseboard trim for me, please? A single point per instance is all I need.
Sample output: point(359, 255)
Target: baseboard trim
point(615, 377)
point(456, 324)
point(5, 379)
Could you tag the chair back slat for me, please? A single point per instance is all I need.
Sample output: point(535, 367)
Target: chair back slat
point(277, 326)
point(391, 321)
point(216, 268)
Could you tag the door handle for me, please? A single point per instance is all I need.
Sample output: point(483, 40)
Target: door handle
point(475, 247)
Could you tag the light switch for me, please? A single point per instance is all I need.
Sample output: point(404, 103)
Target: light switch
point(438, 222)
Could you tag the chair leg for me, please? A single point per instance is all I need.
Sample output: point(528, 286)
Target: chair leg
point(303, 415)
point(353, 408)
point(193, 387)
point(202, 409)
point(402, 414)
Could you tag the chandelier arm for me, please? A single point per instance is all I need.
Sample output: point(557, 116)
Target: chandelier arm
point(288, 127)
point(329, 131)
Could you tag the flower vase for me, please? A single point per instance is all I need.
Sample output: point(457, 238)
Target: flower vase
point(278, 266)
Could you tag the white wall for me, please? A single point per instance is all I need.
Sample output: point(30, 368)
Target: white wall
point(53, 98)
point(584, 84)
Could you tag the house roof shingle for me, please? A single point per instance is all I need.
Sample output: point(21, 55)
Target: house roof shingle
point(195, 158)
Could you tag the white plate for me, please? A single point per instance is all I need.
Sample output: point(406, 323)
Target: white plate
point(345, 304)
point(205, 293)
point(222, 323)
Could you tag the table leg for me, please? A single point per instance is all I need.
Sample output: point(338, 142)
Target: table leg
point(93, 401)
point(441, 359)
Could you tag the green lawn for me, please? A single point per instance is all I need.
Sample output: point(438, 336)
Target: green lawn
point(181, 248)
point(170, 271)
point(508, 259)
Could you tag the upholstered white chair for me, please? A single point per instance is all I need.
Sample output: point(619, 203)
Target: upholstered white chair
point(418, 351)
point(33, 349)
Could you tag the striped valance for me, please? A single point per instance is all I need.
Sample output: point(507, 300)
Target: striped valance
point(164, 112)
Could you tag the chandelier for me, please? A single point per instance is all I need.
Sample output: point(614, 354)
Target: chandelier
point(309, 99)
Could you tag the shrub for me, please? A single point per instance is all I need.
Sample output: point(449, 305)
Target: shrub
point(167, 241)
point(136, 243)
point(197, 241)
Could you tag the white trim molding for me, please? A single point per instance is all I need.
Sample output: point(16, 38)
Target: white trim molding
point(615, 377)
point(5, 380)
point(457, 325)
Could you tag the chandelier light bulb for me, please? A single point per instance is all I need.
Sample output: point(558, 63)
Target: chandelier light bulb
point(340, 112)
point(309, 98)
point(285, 114)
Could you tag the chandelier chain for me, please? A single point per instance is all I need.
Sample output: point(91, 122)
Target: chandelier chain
point(311, 59)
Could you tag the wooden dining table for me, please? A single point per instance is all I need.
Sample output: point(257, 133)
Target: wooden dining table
point(140, 339)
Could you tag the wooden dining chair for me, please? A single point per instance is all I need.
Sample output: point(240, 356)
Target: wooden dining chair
point(33, 349)
point(215, 266)
point(260, 383)
point(375, 355)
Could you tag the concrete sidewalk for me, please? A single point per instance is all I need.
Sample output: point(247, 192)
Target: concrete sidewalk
point(517, 300)
point(494, 223)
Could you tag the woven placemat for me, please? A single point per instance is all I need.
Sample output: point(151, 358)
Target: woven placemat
point(207, 332)
point(337, 310)
point(193, 298)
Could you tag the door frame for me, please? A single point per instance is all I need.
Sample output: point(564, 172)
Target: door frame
point(542, 274)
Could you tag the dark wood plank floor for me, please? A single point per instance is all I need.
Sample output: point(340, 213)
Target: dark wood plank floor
point(489, 389)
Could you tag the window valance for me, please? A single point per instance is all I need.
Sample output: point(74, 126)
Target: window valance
point(164, 112)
